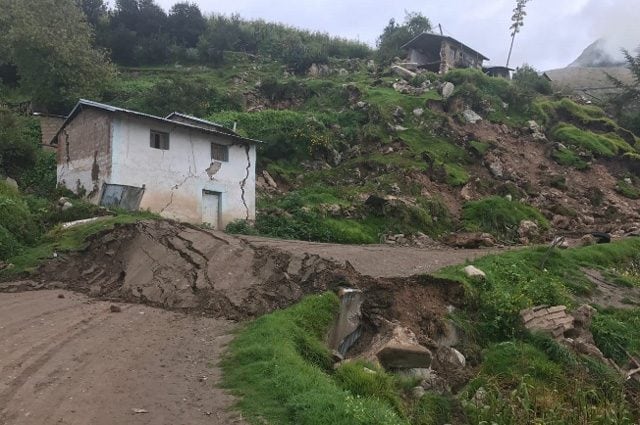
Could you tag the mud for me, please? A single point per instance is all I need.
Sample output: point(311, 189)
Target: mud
point(185, 268)
point(179, 267)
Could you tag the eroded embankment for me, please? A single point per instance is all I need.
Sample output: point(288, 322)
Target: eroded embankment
point(181, 267)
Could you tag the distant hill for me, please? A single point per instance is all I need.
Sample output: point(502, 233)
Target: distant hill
point(589, 73)
point(598, 54)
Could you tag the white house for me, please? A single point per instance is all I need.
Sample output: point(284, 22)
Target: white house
point(181, 167)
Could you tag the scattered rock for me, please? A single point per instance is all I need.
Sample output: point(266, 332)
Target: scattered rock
point(447, 90)
point(449, 357)
point(537, 132)
point(60, 296)
point(416, 373)
point(418, 112)
point(270, 181)
point(11, 183)
point(496, 168)
point(398, 114)
point(115, 309)
point(417, 392)
point(395, 189)
point(66, 206)
point(470, 116)
point(474, 273)
point(343, 72)
point(433, 382)
point(470, 240)
point(480, 397)
point(402, 351)
point(403, 72)
point(528, 231)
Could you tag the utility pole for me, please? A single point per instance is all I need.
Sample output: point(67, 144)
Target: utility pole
point(440, 26)
point(518, 21)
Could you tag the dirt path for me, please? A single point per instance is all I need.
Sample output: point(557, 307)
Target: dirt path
point(72, 361)
point(379, 260)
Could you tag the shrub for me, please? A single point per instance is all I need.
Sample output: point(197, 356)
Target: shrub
point(605, 145)
point(500, 217)
point(9, 246)
point(627, 190)
point(17, 219)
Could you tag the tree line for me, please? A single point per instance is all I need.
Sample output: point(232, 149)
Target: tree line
point(140, 32)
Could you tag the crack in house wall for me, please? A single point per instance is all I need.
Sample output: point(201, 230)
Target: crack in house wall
point(243, 182)
point(173, 189)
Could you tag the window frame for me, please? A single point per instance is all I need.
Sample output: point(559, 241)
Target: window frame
point(225, 156)
point(165, 143)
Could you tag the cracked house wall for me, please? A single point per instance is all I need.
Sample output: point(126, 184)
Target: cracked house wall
point(84, 153)
point(175, 179)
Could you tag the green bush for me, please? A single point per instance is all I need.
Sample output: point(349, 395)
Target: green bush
point(500, 217)
point(9, 246)
point(569, 158)
point(605, 145)
point(17, 219)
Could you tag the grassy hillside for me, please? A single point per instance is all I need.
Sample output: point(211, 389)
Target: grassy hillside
point(334, 141)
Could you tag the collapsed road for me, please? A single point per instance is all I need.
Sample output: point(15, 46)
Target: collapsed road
point(130, 330)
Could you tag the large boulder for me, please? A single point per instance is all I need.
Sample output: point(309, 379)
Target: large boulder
point(397, 348)
point(403, 72)
point(396, 355)
point(470, 116)
point(450, 358)
point(446, 90)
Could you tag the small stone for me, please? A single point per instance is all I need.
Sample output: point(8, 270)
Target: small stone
point(418, 112)
point(474, 273)
point(417, 392)
point(115, 309)
point(61, 296)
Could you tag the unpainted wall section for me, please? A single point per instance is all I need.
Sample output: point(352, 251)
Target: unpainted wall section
point(453, 56)
point(174, 179)
point(84, 153)
point(49, 126)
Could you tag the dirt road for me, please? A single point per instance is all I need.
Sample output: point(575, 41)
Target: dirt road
point(72, 361)
point(379, 260)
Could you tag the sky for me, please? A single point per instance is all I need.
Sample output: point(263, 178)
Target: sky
point(554, 34)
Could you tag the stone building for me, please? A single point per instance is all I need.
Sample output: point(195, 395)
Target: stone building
point(439, 53)
point(49, 126)
point(181, 167)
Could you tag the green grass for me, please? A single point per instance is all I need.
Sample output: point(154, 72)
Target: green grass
point(500, 217)
point(627, 190)
point(569, 158)
point(280, 368)
point(604, 145)
point(65, 240)
point(617, 331)
point(517, 280)
point(554, 111)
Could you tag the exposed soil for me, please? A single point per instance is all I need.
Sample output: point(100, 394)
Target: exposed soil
point(72, 361)
point(75, 360)
point(608, 294)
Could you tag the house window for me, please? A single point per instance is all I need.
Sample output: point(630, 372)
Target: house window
point(159, 140)
point(219, 152)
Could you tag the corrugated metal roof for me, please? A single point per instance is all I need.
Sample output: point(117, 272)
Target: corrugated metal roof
point(109, 108)
point(427, 35)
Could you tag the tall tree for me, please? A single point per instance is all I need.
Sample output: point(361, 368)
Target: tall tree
point(49, 41)
point(395, 35)
point(626, 104)
point(94, 10)
point(517, 22)
point(186, 23)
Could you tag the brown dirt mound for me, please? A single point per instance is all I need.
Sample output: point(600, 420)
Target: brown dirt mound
point(186, 268)
point(180, 267)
